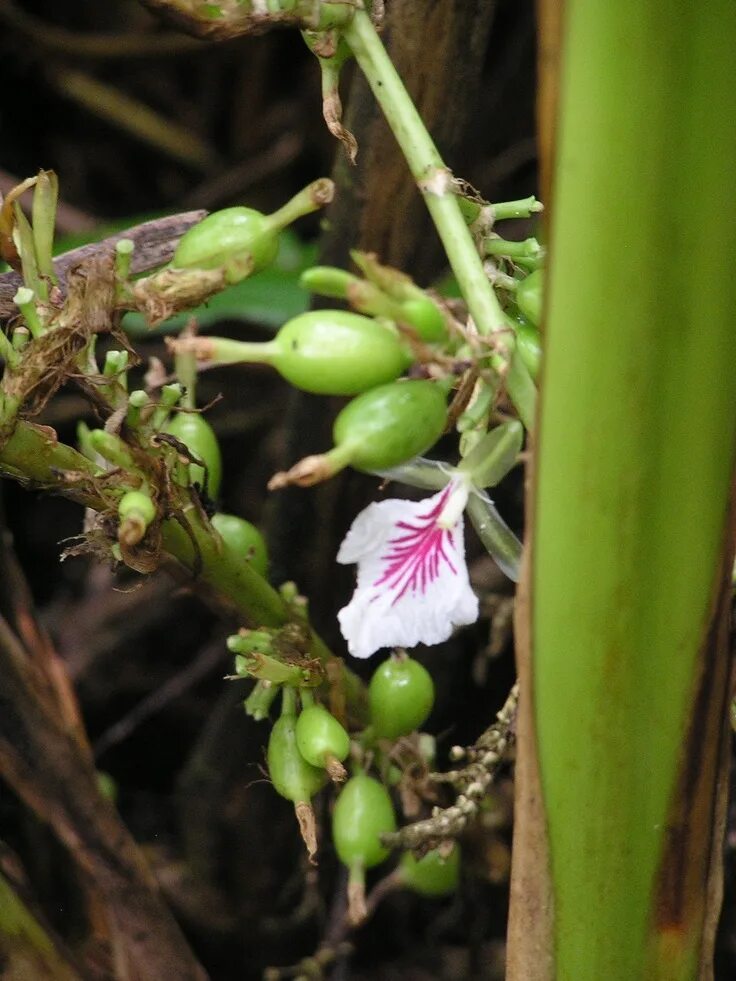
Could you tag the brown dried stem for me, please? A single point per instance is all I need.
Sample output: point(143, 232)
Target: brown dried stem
point(471, 782)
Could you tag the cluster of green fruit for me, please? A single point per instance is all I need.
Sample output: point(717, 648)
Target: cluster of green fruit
point(399, 328)
point(304, 747)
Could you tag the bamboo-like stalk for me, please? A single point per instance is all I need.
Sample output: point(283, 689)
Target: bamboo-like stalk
point(632, 537)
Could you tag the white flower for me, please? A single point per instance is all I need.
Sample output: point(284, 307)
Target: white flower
point(413, 583)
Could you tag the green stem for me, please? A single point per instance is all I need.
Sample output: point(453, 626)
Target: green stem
point(309, 199)
point(33, 456)
point(226, 351)
point(528, 248)
point(25, 300)
point(432, 176)
point(258, 704)
point(521, 208)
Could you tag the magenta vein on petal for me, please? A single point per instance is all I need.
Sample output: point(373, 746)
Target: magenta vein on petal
point(414, 559)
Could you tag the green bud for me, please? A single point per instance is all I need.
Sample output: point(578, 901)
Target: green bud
point(243, 539)
point(136, 511)
point(291, 775)
point(363, 813)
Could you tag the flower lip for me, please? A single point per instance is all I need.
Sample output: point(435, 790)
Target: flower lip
point(412, 578)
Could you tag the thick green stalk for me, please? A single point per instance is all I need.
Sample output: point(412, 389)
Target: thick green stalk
point(435, 183)
point(637, 431)
point(33, 455)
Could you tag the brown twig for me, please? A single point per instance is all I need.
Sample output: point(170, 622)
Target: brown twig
point(155, 243)
point(472, 782)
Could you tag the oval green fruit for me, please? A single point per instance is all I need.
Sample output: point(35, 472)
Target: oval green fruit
point(335, 352)
point(529, 296)
point(199, 438)
point(320, 736)
point(401, 696)
point(426, 317)
point(291, 775)
point(390, 424)
point(431, 875)
point(242, 538)
point(362, 813)
point(231, 234)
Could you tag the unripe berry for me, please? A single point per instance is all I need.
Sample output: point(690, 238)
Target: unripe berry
point(198, 436)
point(391, 424)
point(529, 296)
point(401, 696)
point(433, 874)
point(242, 538)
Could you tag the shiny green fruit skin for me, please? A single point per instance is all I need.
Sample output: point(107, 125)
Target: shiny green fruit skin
point(391, 423)
point(529, 296)
point(228, 234)
point(242, 538)
point(401, 696)
point(431, 875)
point(528, 342)
point(319, 735)
point(335, 352)
point(426, 319)
point(291, 775)
point(362, 813)
point(199, 438)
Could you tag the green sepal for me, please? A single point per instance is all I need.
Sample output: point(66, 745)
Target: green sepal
point(491, 459)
